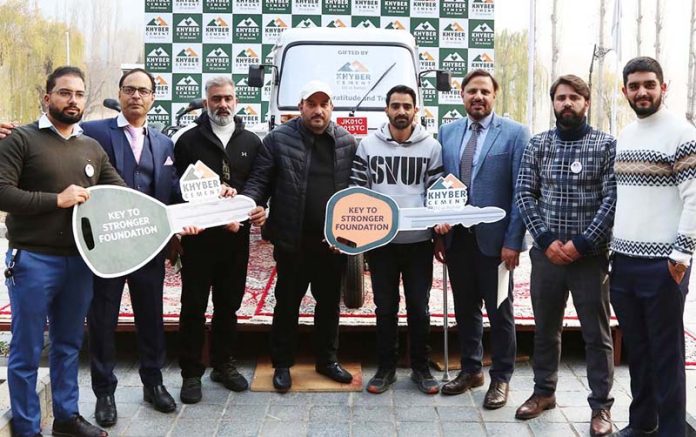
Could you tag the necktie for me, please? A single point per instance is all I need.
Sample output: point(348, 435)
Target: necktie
point(136, 138)
point(465, 165)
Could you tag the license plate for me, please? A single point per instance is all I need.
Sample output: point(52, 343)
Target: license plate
point(354, 125)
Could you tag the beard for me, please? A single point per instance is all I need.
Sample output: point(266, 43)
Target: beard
point(569, 119)
point(647, 111)
point(220, 120)
point(64, 117)
point(400, 122)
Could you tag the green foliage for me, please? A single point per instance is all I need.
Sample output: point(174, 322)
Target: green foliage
point(30, 48)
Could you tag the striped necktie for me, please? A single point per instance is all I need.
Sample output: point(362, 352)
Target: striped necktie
point(465, 165)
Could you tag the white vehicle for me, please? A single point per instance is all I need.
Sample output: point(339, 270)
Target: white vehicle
point(360, 65)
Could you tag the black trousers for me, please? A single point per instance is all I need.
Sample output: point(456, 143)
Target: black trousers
point(586, 279)
point(474, 280)
point(313, 264)
point(215, 259)
point(388, 265)
point(650, 309)
point(145, 288)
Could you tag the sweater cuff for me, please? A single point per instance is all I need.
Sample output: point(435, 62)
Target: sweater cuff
point(582, 244)
point(545, 239)
point(680, 257)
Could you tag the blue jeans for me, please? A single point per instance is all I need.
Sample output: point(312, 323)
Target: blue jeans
point(57, 288)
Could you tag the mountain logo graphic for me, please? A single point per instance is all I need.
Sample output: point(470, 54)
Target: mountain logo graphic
point(158, 52)
point(248, 111)
point(353, 67)
point(454, 27)
point(187, 22)
point(396, 24)
point(242, 82)
point(249, 22)
point(366, 24)
point(485, 58)
point(218, 22)
point(160, 81)
point(187, 81)
point(218, 53)
point(276, 23)
point(306, 23)
point(428, 114)
point(425, 26)
point(483, 28)
point(158, 110)
point(336, 23)
point(247, 53)
point(157, 21)
point(452, 115)
point(425, 56)
point(197, 172)
point(187, 53)
point(428, 84)
point(484, 2)
point(453, 57)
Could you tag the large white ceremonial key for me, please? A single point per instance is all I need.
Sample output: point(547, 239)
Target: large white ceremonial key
point(118, 230)
point(413, 219)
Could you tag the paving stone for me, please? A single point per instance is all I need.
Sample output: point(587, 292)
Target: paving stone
point(251, 398)
point(376, 413)
point(274, 428)
point(458, 429)
point(417, 429)
point(243, 413)
point(571, 399)
point(295, 413)
point(504, 414)
point(415, 414)
point(207, 412)
point(517, 429)
point(293, 398)
point(458, 414)
point(549, 429)
point(365, 398)
point(330, 413)
point(554, 415)
point(148, 427)
point(249, 428)
point(324, 429)
point(330, 398)
point(188, 428)
point(577, 414)
point(373, 429)
point(215, 395)
point(464, 400)
point(405, 398)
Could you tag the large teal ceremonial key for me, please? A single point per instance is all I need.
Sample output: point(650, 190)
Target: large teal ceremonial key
point(118, 230)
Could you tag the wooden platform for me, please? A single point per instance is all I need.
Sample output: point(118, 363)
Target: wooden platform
point(305, 378)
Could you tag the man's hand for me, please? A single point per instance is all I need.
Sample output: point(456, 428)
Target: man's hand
point(258, 216)
point(227, 191)
point(570, 250)
point(191, 230)
point(233, 227)
point(174, 250)
point(556, 255)
point(72, 196)
point(6, 129)
point(442, 228)
point(510, 257)
point(675, 272)
point(439, 248)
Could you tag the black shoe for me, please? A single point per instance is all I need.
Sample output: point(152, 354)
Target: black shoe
point(105, 411)
point(425, 381)
point(335, 371)
point(77, 426)
point(191, 390)
point(228, 376)
point(381, 381)
point(160, 398)
point(632, 432)
point(463, 382)
point(281, 379)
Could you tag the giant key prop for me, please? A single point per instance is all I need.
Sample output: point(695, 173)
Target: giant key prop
point(118, 230)
point(359, 219)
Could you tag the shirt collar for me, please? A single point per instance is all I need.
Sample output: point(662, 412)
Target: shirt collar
point(484, 122)
point(45, 123)
point(122, 122)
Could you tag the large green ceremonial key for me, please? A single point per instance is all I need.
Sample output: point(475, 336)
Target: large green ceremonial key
point(118, 230)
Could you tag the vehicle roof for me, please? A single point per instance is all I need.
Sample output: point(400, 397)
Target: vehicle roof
point(346, 34)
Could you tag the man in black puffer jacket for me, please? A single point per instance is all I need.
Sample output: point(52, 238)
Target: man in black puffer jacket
point(300, 165)
point(217, 257)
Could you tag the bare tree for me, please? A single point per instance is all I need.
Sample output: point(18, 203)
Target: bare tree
point(691, 78)
point(658, 30)
point(599, 101)
point(639, 25)
point(554, 52)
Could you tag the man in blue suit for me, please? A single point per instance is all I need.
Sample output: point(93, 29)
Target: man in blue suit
point(144, 158)
point(484, 151)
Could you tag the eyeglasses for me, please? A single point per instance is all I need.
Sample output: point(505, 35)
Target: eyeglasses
point(67, 94)
point(130, 90)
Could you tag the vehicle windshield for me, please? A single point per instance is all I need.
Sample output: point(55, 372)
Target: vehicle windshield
point(350, 70)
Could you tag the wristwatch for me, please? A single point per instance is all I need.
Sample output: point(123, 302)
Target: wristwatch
point(679, 267)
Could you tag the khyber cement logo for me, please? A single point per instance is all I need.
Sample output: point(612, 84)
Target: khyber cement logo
point(249, 115)
point(158, 114)
point(187, 29)
point(395, 24)
point(353, 75)
point(246, 30)
point(187, 60)
point(482, 34)
point(451, 116)
point(425, 32)
point(367, 23)
point(484, 61)
point(453, 35)
point(187, 5)
point(336, 23)
point(217, 30)
point(162, 89)
point(158, 59)
point(454, 61)
point(158, 30)
point(187, 88)
point(483, 8)
point(217, 60)
point(427, 61)
point(273, 29)
point(245, 58)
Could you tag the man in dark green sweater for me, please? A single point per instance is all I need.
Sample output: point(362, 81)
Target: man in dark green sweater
point(45, 168)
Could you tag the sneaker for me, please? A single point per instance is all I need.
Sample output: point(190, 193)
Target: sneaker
point(381, 381)
point(191, 390)
point(229, 376)
point(425, 381)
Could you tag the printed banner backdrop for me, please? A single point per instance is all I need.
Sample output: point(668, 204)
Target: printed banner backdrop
point(190, 41)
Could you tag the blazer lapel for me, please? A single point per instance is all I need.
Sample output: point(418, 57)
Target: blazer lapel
point(459, 136)
point(493, 132)
point(119, 144)
point(157, 155)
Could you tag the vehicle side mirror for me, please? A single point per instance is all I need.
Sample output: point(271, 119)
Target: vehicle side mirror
point(443, 80)
point(256, 76)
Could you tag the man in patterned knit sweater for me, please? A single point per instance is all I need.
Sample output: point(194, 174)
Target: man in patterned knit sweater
point(654, 238)
point(566, 193)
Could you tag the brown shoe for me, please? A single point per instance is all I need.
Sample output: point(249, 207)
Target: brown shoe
point(535, 405)
point(601, 423)
point(463, 382)
point(496, 396)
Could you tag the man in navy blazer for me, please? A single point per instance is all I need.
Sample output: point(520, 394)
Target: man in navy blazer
point(484, 151)
point(144, 158)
